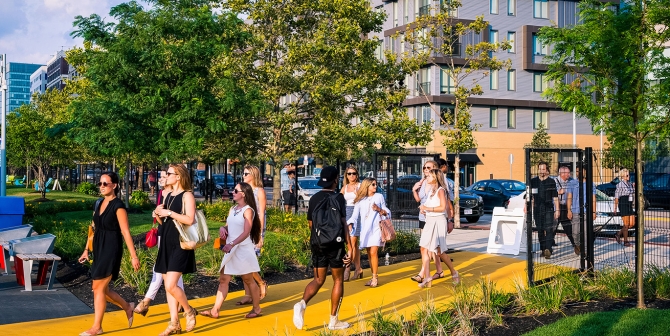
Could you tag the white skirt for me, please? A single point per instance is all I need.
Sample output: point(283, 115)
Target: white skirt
point(434, 234)
point(240, 260)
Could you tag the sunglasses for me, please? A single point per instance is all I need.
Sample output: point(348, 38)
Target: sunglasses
point(245, 174)
point(424, 168)
point(168, 173)
point(104, 184)
point(235, 191)
point(373, 184)
point(352, 173)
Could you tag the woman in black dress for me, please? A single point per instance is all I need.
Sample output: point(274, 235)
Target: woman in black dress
point(172, 261)
point(111, 230)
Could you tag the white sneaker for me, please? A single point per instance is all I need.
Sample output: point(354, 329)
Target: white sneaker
point(336, 324)
point(299, 315)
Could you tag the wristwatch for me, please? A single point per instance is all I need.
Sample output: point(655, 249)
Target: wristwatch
point(169, 213)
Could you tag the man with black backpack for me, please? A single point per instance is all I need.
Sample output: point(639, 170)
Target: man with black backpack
point(326, 216)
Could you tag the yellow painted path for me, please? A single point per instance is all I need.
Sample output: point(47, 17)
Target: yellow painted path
point(396, 294)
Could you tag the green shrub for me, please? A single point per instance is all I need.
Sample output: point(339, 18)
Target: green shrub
point(615, 283)
point(141, 279)
point(657, 282)
point(289, 223)
point(427, 318)
point(493, 301)
point(541, 299)
point(140, 200)
point(405, 242)
point(33, 209)
point(578, 287)
point(385, 324)
point(70, 235)
point(209, 259)
point(280, 249)
point(88, 188)
point(217, 211)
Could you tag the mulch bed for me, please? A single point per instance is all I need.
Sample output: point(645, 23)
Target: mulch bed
point(76, 278)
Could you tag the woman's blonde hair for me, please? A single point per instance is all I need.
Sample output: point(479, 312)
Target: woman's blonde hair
point(346, 179)
point(184, 177)
point(363, 190)
point(257, 180)
point(434, 163)
point(439, 179)
point(623, 172)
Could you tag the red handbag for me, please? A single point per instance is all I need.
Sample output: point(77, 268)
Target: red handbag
point(151, 239)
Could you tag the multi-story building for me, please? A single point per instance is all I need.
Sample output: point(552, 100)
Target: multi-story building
point(38, 81)
point(18, 84)
point(57, 71)
point(512, 105)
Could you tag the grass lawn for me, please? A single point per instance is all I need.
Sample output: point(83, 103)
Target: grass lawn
point(621, 322)
point(31, 194)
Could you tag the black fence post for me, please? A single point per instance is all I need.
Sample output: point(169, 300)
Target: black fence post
point(529, 225)
point(590, 209)
point(297, 188)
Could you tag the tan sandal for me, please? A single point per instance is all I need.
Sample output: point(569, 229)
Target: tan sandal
point(373, 282)
point(190, 319)
point(142, 308)
point(172, 328)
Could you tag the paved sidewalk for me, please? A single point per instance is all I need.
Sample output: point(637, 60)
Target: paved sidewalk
point(395, 295)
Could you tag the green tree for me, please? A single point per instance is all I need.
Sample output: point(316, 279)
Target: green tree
point(150, 86)
point(603, 66)
point(324, 90)
point(34, 138)
point(437, 38)
point(541, 139)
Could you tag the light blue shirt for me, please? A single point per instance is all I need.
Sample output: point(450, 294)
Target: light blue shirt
point(575, 195)
point(450, 188)
point(284, 180)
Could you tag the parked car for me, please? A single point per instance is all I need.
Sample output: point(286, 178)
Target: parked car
point(306, 188)
point(198, 179)
point(402, 202)
point(268, 180)
point(223, 184)
point(496, 193)
point(656, 190)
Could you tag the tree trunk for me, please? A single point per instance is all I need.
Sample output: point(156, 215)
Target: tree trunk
point(276, 185)
point(639, 218)
point(457, 179)
point(42, 183)
point(126, 198)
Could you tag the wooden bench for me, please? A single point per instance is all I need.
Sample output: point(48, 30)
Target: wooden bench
point(45, 260)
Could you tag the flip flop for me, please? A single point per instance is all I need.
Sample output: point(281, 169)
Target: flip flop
point(208, 313)
point(245, 301)
point(253, 314)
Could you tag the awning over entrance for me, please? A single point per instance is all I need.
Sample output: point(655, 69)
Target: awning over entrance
point(465, 157)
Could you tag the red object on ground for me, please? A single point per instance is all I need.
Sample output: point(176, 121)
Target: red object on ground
point(42, 271)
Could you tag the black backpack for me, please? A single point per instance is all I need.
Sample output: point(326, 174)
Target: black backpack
point(327, 228)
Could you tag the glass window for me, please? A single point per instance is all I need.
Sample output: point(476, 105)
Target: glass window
point(541, 9)
point(511, 38)
point(511, 7)
point(395, 14)
point(423, 82)
point(511, 80)
point(379, 51)
point(453, 12)
point(426, 114)
point(538, 47)
point(493, 6)
point(539, 82)
point(446, 115)
point(405, 11)
point(511, 118)
point(540, 117)
point(493, 36)
point(423, 7)
point(446, 83)
point(493, 117)
point(494, 79)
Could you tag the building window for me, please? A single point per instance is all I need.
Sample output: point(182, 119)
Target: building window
point(511, 7)
point(511, 118)
point(423, 7)
point(423, 115)
point(446, 83)
point(395, 14)
point(541, 9)
point(453, 12)
point(379, 51)
point(511, 80)
point(447, 115)
point(493, 117)
point(540, 117)
point(405, 11)
point(539, 82)
point(494, 79)
point(511, 38)
point(493, 36)
point(423, 82)
point(538, 47)
point(402, 43)
point(493, 6)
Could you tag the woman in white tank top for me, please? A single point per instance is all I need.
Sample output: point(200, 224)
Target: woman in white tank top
point(434, 234)
point(349, 190)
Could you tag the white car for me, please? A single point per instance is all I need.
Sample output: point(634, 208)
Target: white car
point(307, 188)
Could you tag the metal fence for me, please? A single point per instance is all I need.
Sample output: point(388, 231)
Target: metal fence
point(601, 222)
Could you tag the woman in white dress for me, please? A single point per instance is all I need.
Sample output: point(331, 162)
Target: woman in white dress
point(368, 210)
point(252, 176)
point(349, 190)
point(242, 231)
point(434, 234)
